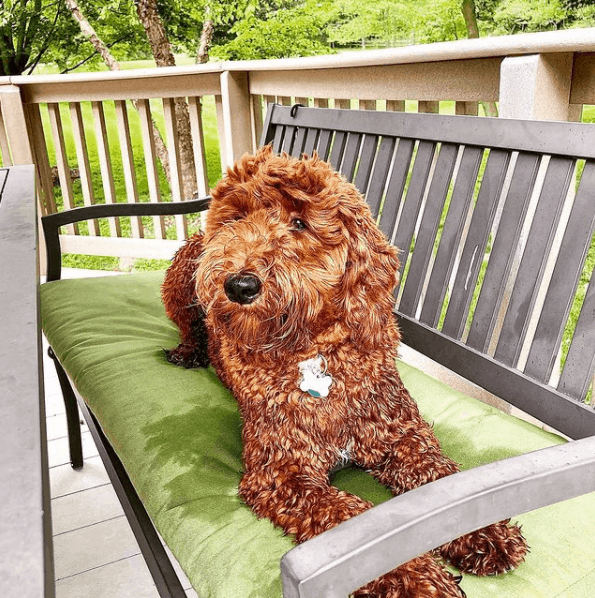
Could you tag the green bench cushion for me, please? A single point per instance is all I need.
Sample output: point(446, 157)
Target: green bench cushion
point(177, 432)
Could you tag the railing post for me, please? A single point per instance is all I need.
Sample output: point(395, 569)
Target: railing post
point(234, 118)
point(537, 86)
point(14, 118)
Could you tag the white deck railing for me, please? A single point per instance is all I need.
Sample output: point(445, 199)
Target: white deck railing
point(543, 75)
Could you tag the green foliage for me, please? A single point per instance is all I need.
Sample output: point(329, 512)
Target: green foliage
point(44, 31)
point(443, 21)
point(35, 31)
point(27, 29)
point(350, 21)
point(513, 16)
point(287, 32)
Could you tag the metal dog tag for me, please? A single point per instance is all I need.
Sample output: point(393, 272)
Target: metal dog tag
point(314, 379)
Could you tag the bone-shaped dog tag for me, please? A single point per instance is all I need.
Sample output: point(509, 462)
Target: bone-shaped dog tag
point(314, 379)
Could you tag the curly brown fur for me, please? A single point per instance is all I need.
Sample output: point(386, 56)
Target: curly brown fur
point(178, 292)
point(292, 266)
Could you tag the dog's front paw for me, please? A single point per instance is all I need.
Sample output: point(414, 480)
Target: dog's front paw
point(188, 356)
point(495, 549)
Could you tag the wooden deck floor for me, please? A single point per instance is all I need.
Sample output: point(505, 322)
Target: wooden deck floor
point(96, 554)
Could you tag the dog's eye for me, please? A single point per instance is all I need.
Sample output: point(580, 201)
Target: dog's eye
point(299, 224)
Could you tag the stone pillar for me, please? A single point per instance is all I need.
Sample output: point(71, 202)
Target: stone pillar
point(537, 86)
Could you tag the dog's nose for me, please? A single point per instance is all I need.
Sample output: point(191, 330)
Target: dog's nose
point(242, 288)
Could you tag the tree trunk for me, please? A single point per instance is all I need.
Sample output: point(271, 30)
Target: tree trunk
point(470, 16)
point(112, 63)
point(202, 56)
point(468, 8)
point(162, 52)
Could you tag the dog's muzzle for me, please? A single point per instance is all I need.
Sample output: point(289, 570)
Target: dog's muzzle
point(242, 288)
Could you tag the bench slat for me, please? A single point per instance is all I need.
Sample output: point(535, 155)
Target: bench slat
point(533, 263)
point(338, 149)
point(288, 139)
point(545, 403)
point(368, 154)
point(311, 141)
point(452, 233)
point(580, 361)
point(413, 199)
point(424, 242)
point(324, 143)
point(278, 139)
point(382, 166)
point(298, 143)
point(396, 186)
point(351, 156)
point(558, 301)
point(475, 244)
point(504, 251)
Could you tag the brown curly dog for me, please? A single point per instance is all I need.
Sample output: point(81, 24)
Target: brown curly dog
point(293, 283)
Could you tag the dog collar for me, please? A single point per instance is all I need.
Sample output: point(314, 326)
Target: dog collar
point(313, 378)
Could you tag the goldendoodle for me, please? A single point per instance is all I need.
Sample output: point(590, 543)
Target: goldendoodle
point(292, 285)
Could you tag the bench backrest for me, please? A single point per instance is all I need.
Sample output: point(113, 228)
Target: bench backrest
point(495, 221)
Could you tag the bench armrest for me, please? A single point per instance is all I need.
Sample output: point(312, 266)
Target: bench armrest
point(371, 544)
point(52, 222)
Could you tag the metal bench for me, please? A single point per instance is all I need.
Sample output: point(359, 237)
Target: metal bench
point(495, 219)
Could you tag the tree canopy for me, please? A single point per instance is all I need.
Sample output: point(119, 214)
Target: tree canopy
point(43, 31)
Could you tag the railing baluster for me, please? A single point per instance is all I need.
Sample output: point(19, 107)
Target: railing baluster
point(62, 162)
point(128, 163)
point(257, 120)
point(395, 105)
point(176, 184)
point(198, 143)
point(105, 163)
point(146, 123)
point(80, 143)
point(367, 104)
point(428, 107)
point(467, 108)
point(39, 146)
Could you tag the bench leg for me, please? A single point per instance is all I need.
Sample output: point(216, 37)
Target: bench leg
point(72, 415)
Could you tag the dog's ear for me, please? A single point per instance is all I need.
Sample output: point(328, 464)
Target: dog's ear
point(371, 275)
